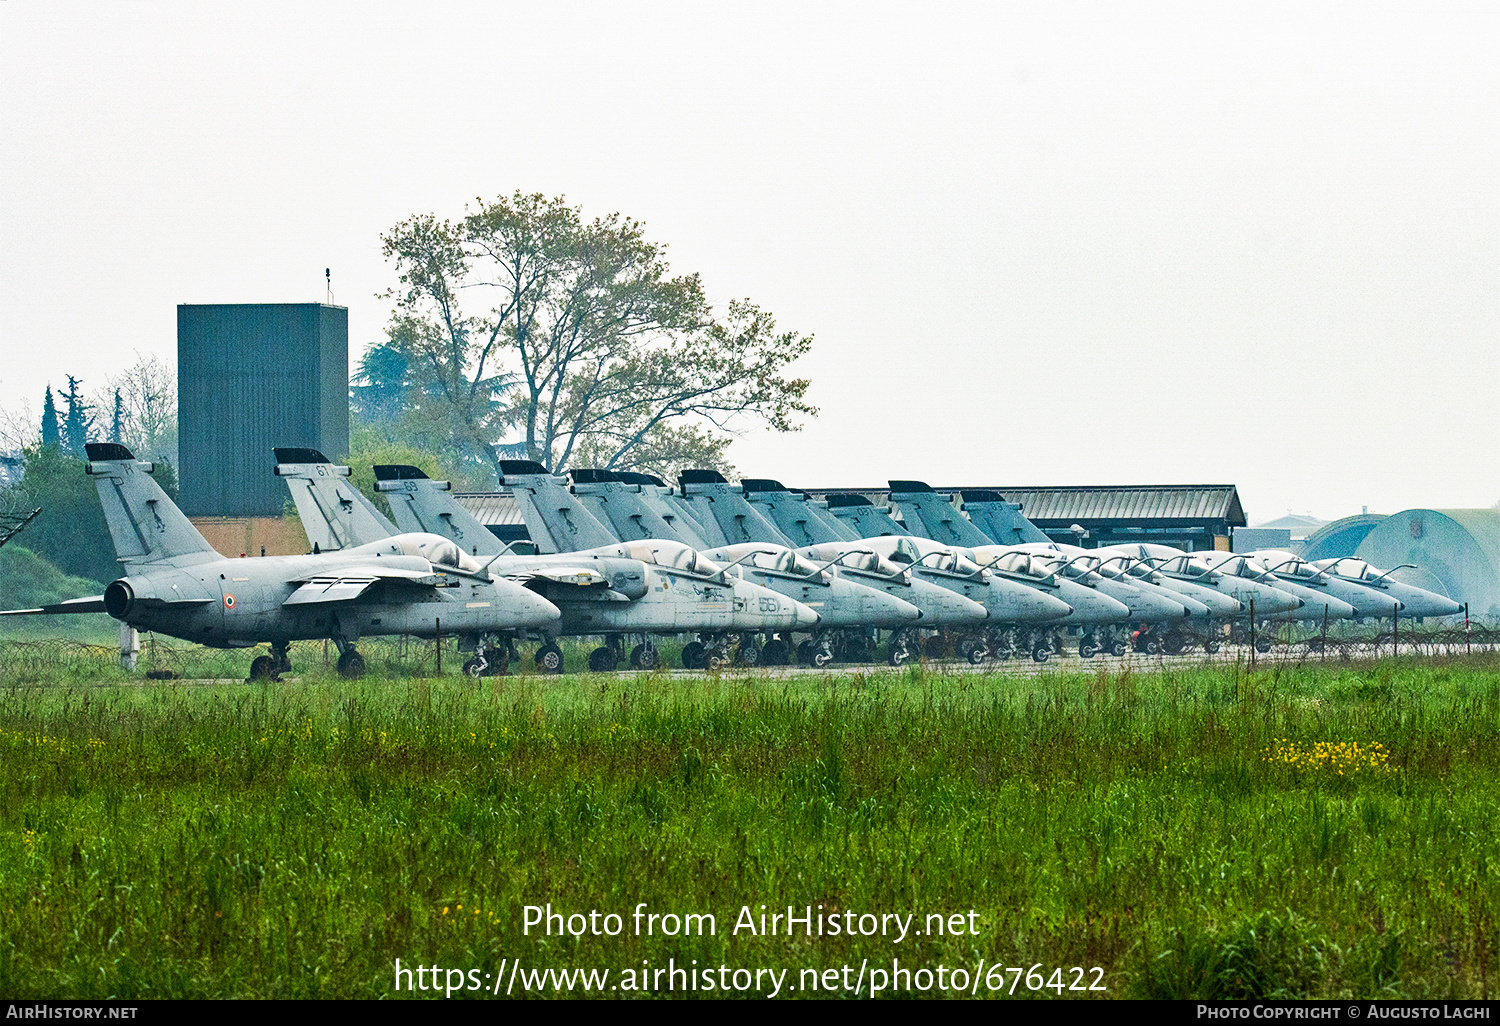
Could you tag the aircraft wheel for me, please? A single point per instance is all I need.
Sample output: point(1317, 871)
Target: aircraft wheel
point(351, 664)
point(692, 656)
point(1117, 648)
point(1153, 647)
point(1042, 652)
point(1210, 647)
point(748, 655)
point(977, 654)
point(1087, 649)
point(776, 653)
point(644, 657)
point(548, 659)
point(603, 660)
point(1262, 645)
point(1173, 644)
point(898, 656)
point(716, 662)
point(262, 668)
point(821, 658)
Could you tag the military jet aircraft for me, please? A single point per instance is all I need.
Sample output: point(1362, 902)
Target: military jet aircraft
point(847, 607)
point(1015, 600)
point(175, 582)
point(1414, 602)
point(942, 608)
point(612, 589)
point(1234, 580)
point(710, 507)
point(1311, 603)
point(1286, 566)
point(1138, 565)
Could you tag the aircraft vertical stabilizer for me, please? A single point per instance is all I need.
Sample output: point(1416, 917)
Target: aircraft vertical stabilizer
point(1000, 520)
point(724, 503)
point(556, 518)
point(865, 518)
point(335, 514)
point(793, 513)
point(424, 506)
point(631, 513)
point(145, 525)
point(931, 515)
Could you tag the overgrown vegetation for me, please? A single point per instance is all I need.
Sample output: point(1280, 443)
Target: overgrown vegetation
point(1210, 833)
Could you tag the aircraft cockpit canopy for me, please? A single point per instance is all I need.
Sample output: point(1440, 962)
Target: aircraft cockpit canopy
point(778, 560)
point(866, 562)
point(1187, 566)
point(1348, 566)
point(1026, 564)
point(672, 556)
point(437, 550)
point(938, 556)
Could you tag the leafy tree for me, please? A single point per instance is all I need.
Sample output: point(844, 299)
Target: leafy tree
point(580, 344)
point(70, 531)
point(51, 434)
point(368, 446)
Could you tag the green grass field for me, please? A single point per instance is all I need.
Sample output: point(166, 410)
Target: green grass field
point(1317, 831)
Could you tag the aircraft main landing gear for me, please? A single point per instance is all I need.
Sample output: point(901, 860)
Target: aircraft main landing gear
point(548, 658)
point(351, 664)
point(644, 657)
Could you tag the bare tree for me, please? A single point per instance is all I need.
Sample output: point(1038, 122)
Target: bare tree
point(147, 410)
point(575, 341)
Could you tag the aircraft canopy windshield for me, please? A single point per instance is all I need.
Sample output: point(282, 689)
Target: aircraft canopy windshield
point(782, 561)
point(437, 550)
point(672, 555)
point(868, 562)
point(1357, 569)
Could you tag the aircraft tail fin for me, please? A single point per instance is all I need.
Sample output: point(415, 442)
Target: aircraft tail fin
point(334, 513)
point(145, 525)
point(421, 504)
point(556, 520)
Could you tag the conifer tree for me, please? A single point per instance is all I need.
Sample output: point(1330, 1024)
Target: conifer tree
point(76, 427)
point(50, 433)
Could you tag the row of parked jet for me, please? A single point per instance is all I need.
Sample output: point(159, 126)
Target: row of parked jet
point(756, 572)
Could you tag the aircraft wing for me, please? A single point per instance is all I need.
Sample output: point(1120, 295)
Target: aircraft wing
point(94, 604)
point(351, 582)
point(577, 576)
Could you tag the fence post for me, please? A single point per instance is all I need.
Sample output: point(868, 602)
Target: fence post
point(1466, 630)
point(1325, 633)
point(1252, 634)
point(438, 630)
point(1395, 631)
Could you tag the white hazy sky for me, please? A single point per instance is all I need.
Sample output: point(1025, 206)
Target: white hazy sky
point(1037, 243)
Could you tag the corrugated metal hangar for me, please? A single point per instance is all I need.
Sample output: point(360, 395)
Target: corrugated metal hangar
point(1191, 517)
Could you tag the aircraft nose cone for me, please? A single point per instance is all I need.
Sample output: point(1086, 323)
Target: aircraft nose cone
point(531, 610)
point(806, 617)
